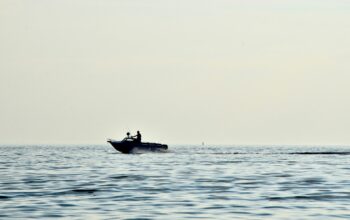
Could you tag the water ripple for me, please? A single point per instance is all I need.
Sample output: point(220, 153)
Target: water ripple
point(214, 182)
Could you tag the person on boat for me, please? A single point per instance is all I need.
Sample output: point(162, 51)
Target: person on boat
point(137, 137)
point(128, 136)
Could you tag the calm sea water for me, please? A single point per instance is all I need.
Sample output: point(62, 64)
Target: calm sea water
point(214, 182)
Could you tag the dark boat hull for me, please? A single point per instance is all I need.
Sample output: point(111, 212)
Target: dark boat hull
point(128, 147)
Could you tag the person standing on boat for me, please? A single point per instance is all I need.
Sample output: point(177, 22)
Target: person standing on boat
point(138, 137)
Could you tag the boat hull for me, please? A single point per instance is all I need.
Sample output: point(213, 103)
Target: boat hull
point(128, 147)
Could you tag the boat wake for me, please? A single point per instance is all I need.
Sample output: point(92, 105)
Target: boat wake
point(137, 150)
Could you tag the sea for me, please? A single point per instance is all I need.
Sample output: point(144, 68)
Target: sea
point(187, 182)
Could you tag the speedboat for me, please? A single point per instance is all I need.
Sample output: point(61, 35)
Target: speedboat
point(129, 145)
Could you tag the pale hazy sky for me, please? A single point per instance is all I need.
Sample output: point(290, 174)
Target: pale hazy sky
point(180, 71)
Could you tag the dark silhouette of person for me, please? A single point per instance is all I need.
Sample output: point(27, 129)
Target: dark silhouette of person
point(138, 137)
point(128, 137)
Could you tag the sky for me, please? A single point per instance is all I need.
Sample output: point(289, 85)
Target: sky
point(181, 71)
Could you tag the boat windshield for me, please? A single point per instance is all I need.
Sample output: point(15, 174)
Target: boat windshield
point(128, 139)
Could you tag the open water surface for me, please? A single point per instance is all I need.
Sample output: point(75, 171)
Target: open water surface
point(214, 182)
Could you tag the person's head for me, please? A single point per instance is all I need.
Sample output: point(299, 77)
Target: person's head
point(128, 134)
point(138, 132)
